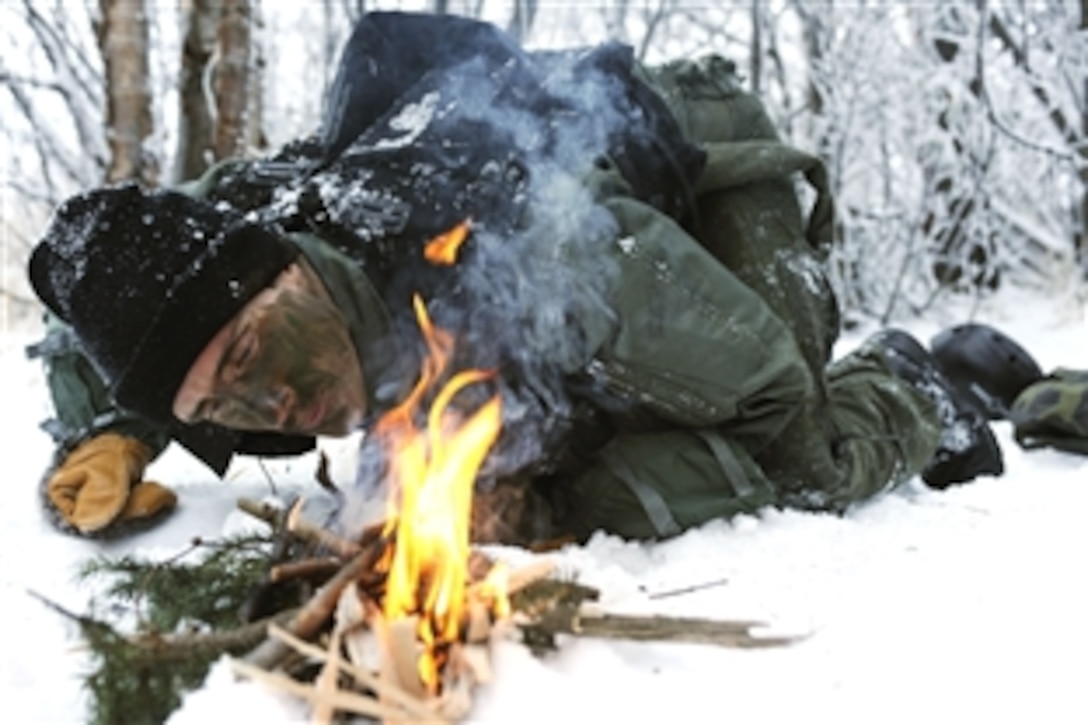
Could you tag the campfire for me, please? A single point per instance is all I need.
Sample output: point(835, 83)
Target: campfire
point(426, 606)
point(411, 614)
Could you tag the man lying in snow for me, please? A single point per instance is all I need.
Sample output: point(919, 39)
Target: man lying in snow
point(638, 272)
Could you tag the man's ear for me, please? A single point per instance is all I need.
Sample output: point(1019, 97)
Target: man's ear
point(293, 277)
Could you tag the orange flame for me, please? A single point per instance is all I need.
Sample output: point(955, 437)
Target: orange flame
point(444, 248)
point(434, 471)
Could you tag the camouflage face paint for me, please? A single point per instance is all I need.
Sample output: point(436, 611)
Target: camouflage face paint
point(289, 365)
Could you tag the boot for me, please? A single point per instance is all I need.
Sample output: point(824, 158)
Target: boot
point(967, 446)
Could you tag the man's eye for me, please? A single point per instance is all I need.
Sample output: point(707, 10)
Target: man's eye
point(243, 355)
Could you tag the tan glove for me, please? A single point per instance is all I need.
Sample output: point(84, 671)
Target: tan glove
point(99, 484)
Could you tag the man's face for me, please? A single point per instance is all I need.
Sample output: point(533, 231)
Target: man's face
point(284, 363)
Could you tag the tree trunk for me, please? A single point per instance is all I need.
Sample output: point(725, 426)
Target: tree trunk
point(256, 140)
point(233, 79)
point(522, 20)
point(122, 40)
point(1081, 242)
point(194, 152)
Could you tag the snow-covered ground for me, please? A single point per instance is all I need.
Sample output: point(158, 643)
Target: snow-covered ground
point(921, 606)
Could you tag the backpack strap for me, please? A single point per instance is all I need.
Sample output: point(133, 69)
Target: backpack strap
point(736, 163)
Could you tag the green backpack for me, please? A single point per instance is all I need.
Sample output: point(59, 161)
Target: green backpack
point(1053, 412)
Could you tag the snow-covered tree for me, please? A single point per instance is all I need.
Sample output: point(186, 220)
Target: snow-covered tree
point(954, 132)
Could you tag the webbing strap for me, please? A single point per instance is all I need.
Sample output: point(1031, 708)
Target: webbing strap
point(727, 459)
point(657, 511)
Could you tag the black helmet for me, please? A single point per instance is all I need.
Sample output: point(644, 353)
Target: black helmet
point(986, 365)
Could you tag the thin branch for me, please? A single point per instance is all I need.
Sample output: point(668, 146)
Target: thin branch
point(166, 648)
point(989, 20)
point(279, 519)
point(688, 589)
point(653, 22)
point(31, 194)
point(54, 42)
point(341, 700)
point(724, 633)
point(85, 113)
point(35, 83)
point(316, 612)
point(42, 142)
point(410, 703)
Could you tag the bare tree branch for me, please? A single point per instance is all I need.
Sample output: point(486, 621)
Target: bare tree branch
point(62, 49)
point(46, 145)
point(654, 20)
point(28, 82)
point(82, 85)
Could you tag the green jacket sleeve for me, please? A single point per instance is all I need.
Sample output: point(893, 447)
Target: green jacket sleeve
point(80, 398)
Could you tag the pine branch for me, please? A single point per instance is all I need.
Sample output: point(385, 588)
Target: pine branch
point(84, 621)
point(163, 649)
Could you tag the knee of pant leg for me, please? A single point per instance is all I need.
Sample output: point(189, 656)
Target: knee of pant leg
point(598, 500)
point(658, 484)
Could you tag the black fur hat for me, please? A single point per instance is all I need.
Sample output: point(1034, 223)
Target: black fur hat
point(146, 279)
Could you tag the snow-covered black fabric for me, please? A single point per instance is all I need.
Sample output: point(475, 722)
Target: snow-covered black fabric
point(388, 53)
point(592, 96)
point(147, 279)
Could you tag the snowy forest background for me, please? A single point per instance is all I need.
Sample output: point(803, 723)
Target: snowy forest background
point(954, 131)
point(955, 134)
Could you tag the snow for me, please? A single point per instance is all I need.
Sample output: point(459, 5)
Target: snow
point(919, 606)
point(412, 120)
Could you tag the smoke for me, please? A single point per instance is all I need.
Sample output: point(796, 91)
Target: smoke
point(536, 295)
point(531, 290)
